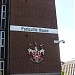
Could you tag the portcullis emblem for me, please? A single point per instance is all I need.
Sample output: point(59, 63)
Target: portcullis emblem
point(36, 53)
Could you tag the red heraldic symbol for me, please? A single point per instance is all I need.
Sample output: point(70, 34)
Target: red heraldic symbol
point(35, 54)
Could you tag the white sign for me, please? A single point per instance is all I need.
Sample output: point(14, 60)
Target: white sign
point(33, 29)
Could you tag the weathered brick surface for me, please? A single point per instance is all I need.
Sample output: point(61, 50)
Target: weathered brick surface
point(19, 59)
point(37, 13)
point(40, 13)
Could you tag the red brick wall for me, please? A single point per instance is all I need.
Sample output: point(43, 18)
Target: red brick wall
point(19, 59)
point(36, 13)
point(33, 13)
